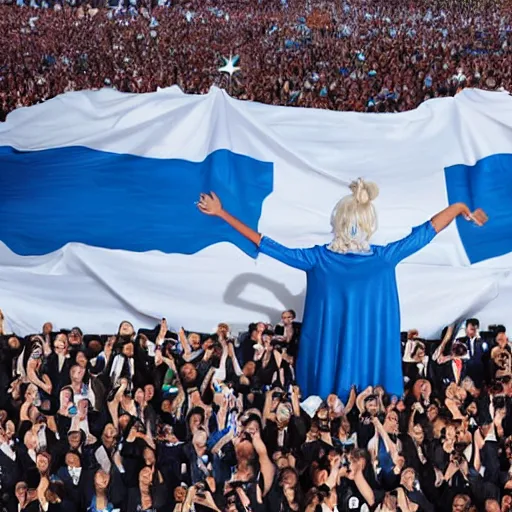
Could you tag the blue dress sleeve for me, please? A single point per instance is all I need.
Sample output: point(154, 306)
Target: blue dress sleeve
point(303, 259)
point(420, 236)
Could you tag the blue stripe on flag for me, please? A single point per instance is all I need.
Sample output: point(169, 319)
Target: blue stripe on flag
point(115, 201)
point(486, 185)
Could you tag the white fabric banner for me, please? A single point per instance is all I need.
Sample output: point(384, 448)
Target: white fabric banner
point(314, 155)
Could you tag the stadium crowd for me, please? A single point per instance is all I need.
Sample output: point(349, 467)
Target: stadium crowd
point(379, 55)
point(154, 420)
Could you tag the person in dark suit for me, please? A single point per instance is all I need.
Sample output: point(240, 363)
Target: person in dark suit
point(407, 481)
point(477, 352)
point(253, 337)
point(150, 494)
point(73, 477)
point(453, 367)
point(59, 363)
point(418, 367)
point(285, 428)
point(26, 496)
point(10, 468)
point(172, 461)
point(290, 330)
point(26, 454)
point(58, 500)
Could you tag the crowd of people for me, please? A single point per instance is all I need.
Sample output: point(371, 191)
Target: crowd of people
point(357, 55)
point(155, 420)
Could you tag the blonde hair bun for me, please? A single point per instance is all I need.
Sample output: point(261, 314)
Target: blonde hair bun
point(364, 191)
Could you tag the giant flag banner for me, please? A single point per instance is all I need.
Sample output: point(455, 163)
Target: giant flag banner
point(99, 222)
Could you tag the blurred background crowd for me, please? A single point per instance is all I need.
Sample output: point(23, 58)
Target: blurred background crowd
point(355, 55)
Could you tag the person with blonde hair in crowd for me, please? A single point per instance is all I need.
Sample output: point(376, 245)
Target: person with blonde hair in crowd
point(351, 325)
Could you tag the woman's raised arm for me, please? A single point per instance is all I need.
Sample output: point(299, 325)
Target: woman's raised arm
point(422, 235)
point(303, 259)
point(210, 205)
point(445, 217)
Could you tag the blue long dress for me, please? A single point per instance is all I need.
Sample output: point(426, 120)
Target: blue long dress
point(351, 324)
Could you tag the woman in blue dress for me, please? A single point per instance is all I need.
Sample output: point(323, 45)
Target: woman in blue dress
point(351, 325)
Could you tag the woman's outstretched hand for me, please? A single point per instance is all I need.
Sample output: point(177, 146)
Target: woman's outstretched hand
point(210, 204)
point(443, 219)
point(479, 217)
